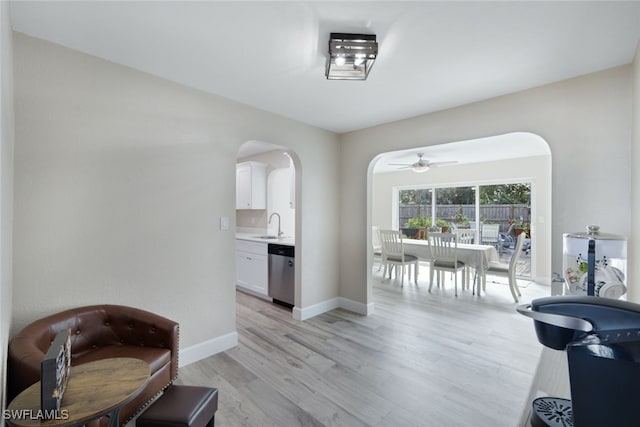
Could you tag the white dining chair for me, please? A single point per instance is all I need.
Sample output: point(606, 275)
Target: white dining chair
point(377, 245)
point(443, 249)
point(393, 255)
point(466, 236)
point(508, 270)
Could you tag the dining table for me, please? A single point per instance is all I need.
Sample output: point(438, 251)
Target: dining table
point(472, 255)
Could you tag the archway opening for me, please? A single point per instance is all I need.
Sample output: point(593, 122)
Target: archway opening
point(267, 187)
point(514, 159)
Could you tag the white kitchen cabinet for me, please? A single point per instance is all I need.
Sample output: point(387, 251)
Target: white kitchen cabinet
point(252, 266)
point(251, 185)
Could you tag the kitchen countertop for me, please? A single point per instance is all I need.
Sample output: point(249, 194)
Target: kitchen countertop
point(254, 237)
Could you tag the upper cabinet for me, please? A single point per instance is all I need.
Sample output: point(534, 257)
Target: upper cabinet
point(251, 184)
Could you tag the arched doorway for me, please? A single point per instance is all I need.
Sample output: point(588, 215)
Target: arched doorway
point(513, 157)
point(273, 218)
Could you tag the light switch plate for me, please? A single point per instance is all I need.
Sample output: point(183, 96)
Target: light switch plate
point(224, 223)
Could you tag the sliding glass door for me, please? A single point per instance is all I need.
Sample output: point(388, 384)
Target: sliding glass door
point(508, 205)
point(504, 207)
point(455, 207)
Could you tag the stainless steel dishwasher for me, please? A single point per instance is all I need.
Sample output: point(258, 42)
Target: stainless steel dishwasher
point(282, 274)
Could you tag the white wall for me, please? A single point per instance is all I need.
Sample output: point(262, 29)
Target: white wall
point(536, 170)
point(120, 179)
point(586, 121)
point(6, 187)
point(634, 249)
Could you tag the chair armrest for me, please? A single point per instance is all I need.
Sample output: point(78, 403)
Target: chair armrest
point(134, 326)
point(23, 365)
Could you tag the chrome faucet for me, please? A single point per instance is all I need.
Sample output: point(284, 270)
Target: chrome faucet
point(280, 233)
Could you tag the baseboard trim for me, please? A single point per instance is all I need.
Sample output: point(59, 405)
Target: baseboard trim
point(207, 348)
point(356, 307)
point(331, 304)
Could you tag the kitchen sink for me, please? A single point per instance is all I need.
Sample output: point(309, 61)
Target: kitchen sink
point(266, 237)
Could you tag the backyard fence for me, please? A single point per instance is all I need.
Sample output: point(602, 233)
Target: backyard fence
point(495, 214)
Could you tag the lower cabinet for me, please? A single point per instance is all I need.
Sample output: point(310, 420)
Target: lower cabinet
point(252, 266)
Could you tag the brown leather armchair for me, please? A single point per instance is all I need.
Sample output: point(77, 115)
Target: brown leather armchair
point(100, 332)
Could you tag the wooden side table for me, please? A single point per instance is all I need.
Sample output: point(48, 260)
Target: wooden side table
point(94, 389)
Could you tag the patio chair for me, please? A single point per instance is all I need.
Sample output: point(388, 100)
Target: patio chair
point(491, 234)
point(506, 239)
point(465, 235)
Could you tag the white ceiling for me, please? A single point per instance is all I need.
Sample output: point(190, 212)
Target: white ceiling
point(433, 55)
point(500, 147)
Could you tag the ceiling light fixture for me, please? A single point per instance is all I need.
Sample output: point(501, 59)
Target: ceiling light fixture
point(351, 56)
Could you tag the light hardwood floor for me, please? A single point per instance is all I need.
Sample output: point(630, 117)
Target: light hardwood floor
point(419, 360)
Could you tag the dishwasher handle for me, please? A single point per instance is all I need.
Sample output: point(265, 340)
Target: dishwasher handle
point(282, 250)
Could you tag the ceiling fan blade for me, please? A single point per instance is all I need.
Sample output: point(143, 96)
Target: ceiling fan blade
point(398, 164)
point(436, 164)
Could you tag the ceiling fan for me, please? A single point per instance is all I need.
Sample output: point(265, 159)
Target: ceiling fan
point(422, 165)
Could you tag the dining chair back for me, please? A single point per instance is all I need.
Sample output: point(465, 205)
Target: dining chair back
point(377, 244)
point(443, 248)
point(509, 270)
point(393, 255)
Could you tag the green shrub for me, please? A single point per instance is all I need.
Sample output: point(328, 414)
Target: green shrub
point(421, 221)
point(460, 219)
point(442, 223)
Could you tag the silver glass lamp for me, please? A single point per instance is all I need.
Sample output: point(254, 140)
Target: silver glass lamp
point(351, 56)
